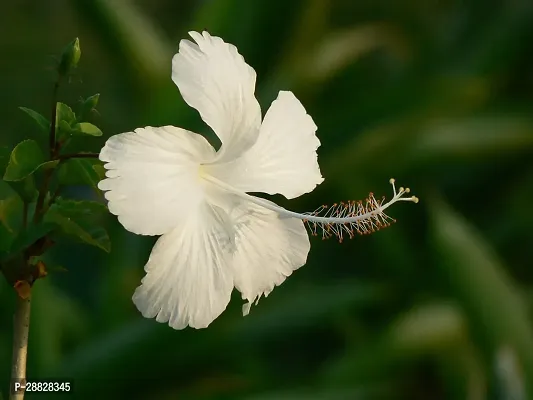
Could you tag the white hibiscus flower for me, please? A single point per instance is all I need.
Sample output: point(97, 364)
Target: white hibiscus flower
point(171, 182)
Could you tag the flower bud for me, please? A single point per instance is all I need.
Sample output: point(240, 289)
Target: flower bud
point(70, 57)
point(91, 102)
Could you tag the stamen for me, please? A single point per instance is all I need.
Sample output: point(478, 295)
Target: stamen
point(370, 209)
point(351, 218)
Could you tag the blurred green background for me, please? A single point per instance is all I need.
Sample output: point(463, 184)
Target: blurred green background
point(437, 94)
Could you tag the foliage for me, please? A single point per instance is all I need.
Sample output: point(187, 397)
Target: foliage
point(46, 218)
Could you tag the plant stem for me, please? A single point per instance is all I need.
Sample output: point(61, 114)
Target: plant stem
point(21, 325)
point(53, 151)
point(21, 322)
point(40, 208)
point(64, 157)
point(42, 195)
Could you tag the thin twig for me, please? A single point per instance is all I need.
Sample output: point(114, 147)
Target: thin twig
point(42, 195)
point(53, 151)
point(64, 157)
point(21, 322)
point(21, 326)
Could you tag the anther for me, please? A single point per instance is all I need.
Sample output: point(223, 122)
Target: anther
point(350, 218)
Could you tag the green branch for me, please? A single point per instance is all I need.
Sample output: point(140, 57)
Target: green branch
point(65, 157)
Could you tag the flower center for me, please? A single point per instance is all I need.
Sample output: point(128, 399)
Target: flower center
point(202, 172)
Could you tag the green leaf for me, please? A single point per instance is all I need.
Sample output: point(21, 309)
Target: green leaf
point(77, 219)
point(65, 120)
point(29, 236)
point(87, 128)
point(88, 106)
point(10, 216)
point(100, 170)
point(41, 121)
point(78, 209)
point(65, 113)
point(25, 188)
point(25, 158)
point(49, 165)
point(70, 58)
point(77, 171)
point(64, 130)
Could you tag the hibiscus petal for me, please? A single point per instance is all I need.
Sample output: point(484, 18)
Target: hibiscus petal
point(284, 158)
point(153, 178)
point(268, 249)
point(214, 78)
point(188, 278)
